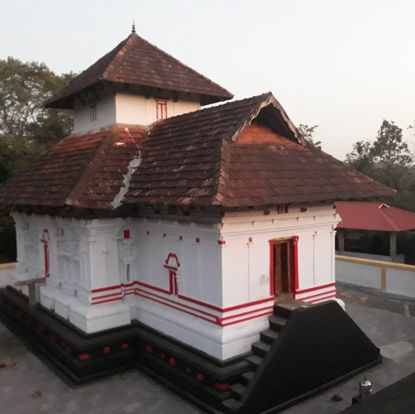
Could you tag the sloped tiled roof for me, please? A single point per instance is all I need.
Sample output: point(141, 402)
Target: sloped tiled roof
point(137, 62)
point(239, 154)
point(217, 157)
point(84, 171)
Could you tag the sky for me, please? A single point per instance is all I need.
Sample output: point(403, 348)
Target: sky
point(342, 65)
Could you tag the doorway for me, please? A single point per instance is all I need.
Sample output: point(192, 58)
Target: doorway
point(283, 268)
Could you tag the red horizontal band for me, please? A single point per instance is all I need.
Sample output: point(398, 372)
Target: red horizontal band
point(186, 298)
point(106, 296)
point(231, 308)
point(268, 308)
point(176, 303)
point(319, 294)
point(174, 307)
point(247, 319)
point(104, 289)
point(152, 287)
point(312, 289)
point(107, 300)
point(323, 298)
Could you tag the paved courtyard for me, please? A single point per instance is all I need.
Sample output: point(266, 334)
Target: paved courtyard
point(31, 387)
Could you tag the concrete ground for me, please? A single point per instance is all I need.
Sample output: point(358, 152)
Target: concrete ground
point(30, 387)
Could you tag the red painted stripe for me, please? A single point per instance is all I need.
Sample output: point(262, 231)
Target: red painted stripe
point(152, 287)
point(247, 313)
point(231, 308)
point(104, 289)
point(323, 298)
point(319, 294)
point(216, 320)
point(176, 303)
point(247, 319)
point(312, 289)
point(175, 307)
point(105, 296)
point(186, 298)
point(107, 300)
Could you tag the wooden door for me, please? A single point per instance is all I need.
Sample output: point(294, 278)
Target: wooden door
point(282, 267)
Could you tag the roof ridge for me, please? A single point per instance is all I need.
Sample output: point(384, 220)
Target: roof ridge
point(124, 44)
point(210, 107)
point(388, 219)
point(181, 63)
point(92, 165)
point(171, 73)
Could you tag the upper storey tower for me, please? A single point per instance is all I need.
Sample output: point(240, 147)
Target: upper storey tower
point(135, 83)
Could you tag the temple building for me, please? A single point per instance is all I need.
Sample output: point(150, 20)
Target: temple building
point(164, 212)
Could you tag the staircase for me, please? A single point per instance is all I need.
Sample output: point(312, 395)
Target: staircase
point(277, 321)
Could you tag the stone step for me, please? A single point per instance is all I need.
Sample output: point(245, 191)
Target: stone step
point(277, 322)
point(284, 308)
point(254, 360)
point(247, 377)
point(269, 336)
point(238, 390)
point(260, 348)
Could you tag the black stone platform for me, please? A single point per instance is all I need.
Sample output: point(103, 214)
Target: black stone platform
point(307, 348)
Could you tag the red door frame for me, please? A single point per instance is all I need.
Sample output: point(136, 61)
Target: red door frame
point(293, 243)
point(45, 242)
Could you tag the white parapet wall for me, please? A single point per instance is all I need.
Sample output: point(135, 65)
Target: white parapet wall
point(6, 273)
point(394, 278)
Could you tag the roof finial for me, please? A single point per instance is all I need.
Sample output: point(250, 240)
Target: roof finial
point(133, 28)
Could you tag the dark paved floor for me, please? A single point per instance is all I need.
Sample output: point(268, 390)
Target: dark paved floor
point(30, 387)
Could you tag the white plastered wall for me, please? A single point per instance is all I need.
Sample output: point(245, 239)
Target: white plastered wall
point(105, 114)
point(246, 252)
point(103, 273)
point(135, 109)
point(79, 262)
point(124, 108)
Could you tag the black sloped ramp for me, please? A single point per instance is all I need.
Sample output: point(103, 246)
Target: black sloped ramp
point(319, 346)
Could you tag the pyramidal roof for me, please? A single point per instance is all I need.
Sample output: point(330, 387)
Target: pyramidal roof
point(239, 154)
point(137, 62)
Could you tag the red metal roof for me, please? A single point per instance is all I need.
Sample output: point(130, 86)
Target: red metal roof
point(374, 216)
point(239, 154)
point(137, 62)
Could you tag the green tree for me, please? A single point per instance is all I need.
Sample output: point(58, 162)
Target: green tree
point(306, 132)
point(26, 127)
point(388, 160)
point(361, 158)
